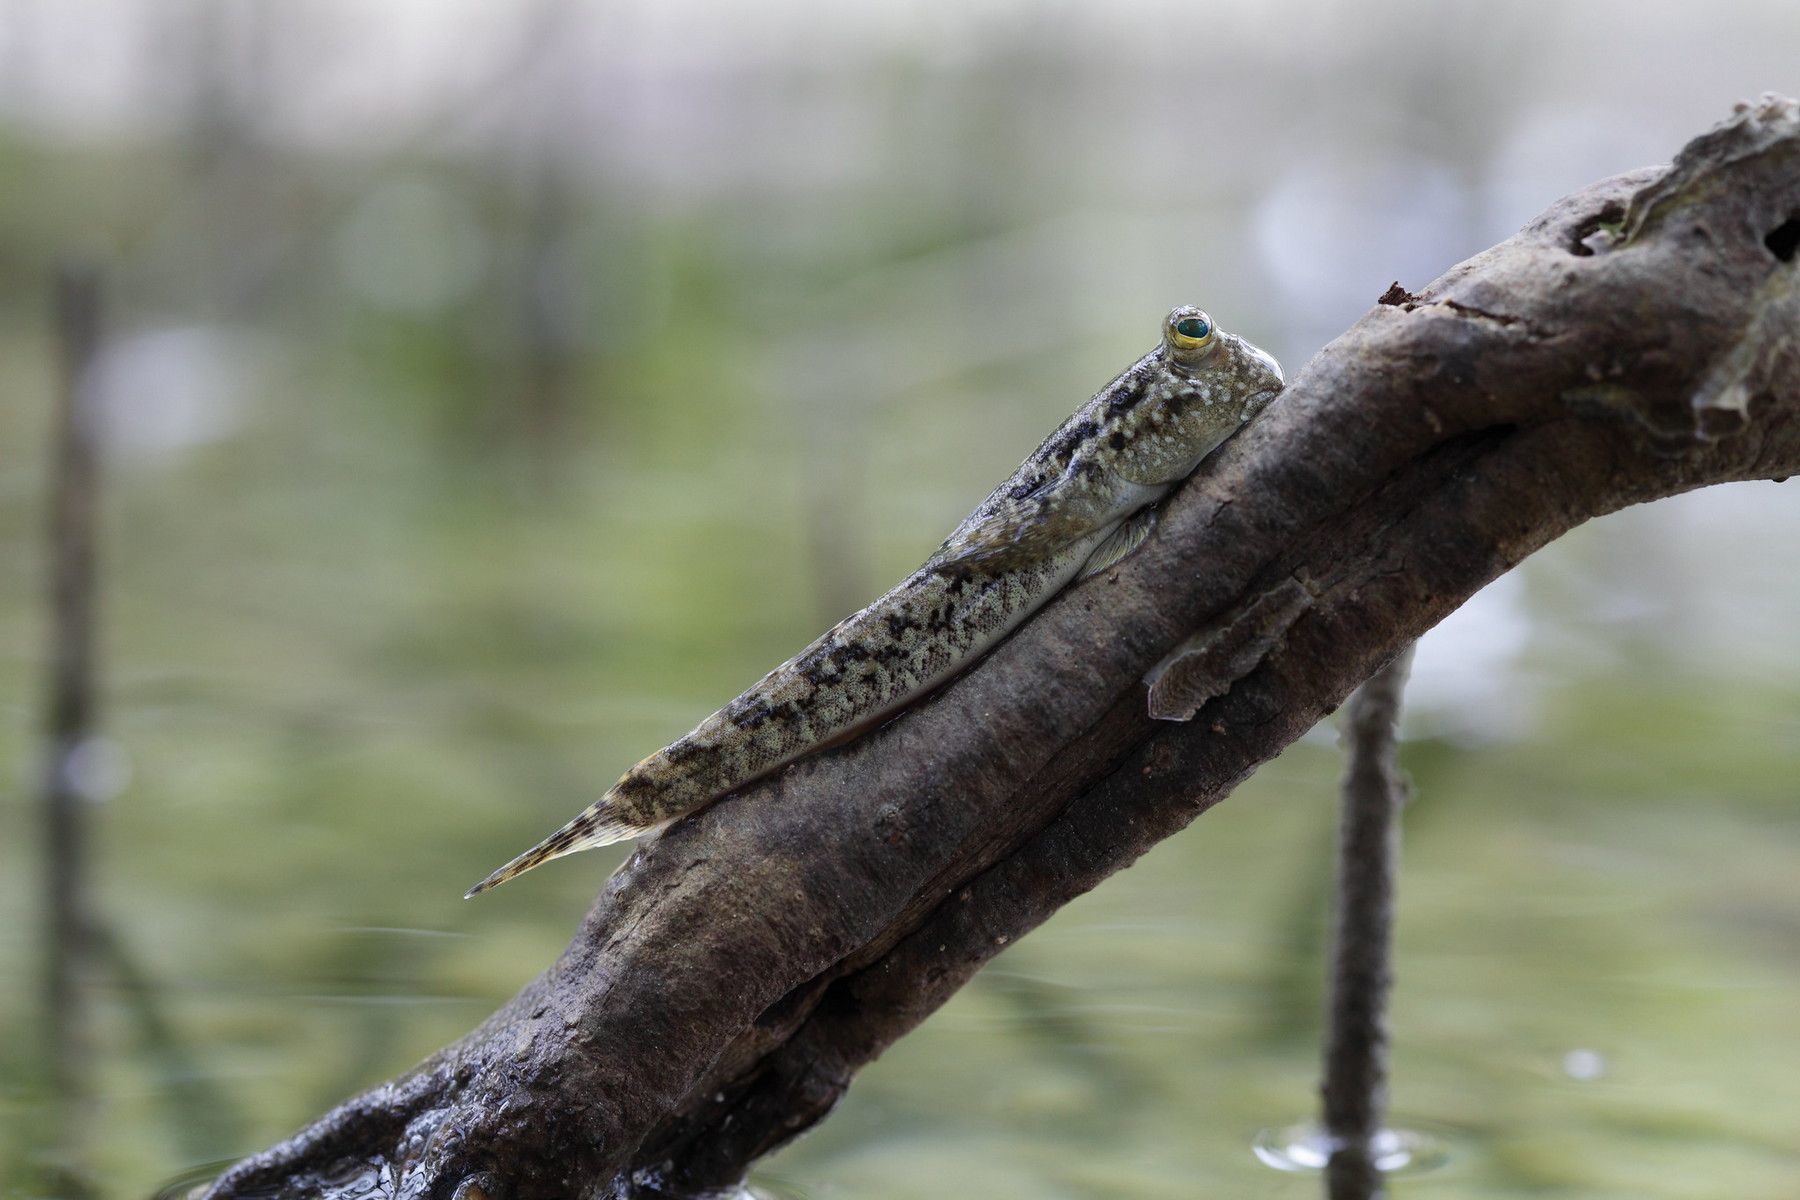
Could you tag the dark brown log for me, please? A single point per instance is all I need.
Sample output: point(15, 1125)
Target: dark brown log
point(1635, 341)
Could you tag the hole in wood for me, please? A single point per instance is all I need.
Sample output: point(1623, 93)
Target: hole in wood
point(1784, 238)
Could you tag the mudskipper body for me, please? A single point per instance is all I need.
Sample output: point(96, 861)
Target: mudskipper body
point(1080, 503)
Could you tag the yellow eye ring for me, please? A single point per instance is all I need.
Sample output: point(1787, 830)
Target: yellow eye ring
point(1188, 332)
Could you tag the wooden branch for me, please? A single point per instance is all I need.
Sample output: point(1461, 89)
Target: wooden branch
point(1635, 341)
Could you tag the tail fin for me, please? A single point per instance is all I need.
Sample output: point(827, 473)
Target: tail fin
point(594, 827)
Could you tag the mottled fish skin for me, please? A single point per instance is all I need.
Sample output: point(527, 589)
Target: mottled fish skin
point(1034, 534)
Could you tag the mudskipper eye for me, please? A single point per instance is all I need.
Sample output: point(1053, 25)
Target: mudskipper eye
point(1189, 334)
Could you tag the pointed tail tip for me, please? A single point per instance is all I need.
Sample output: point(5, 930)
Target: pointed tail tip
point(516, 867)
point(535, 857)
point(584, 832)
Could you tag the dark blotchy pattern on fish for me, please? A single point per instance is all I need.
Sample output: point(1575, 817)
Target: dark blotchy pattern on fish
point(1120, 453)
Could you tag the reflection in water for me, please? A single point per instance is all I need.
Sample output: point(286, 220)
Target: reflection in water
point(1309, 1148)
point(356, 1179)
point(351, 1179)
point(191, 1183)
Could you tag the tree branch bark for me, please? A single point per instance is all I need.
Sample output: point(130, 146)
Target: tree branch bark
point(1635, 341)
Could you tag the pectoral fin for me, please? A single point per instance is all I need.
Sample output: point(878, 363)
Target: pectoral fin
point(1120, 542)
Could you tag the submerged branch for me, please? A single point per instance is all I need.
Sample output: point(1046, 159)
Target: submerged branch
point(1633, 342)
point(1354, 1090)
point(72, 704)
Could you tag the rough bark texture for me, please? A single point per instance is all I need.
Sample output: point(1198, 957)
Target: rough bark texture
point(1636, 341)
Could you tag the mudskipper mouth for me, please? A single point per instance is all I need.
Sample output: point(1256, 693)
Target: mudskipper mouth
point(1261, 400)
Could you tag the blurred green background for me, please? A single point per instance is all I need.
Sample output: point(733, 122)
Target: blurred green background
point(493, 389)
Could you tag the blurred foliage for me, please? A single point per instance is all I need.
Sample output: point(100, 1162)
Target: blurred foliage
point(479, 421)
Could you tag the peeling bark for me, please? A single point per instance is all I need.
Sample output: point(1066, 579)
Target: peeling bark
point(1636, 341)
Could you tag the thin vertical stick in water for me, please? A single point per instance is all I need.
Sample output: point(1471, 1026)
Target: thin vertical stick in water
point(1355, 1085)
point(74, 492)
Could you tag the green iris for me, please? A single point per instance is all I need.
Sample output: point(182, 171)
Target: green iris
point(1193, 327)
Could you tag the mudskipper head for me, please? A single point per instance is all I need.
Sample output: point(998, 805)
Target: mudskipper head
point(1183, 398)
point(1177, 403)
point(1232, 370)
